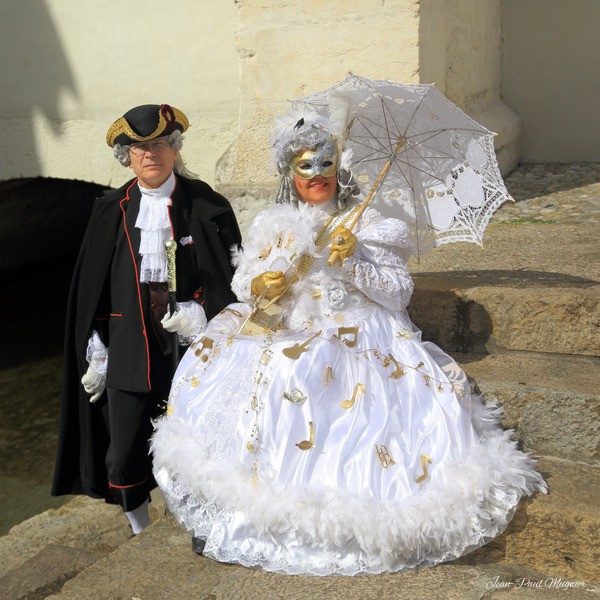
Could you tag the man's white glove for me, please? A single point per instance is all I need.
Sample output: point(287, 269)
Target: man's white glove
point(94, 383)
point(178, 322)
point(94, 380)
point(187, 321)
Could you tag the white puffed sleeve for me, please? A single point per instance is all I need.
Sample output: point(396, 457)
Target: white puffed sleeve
point(378, 267)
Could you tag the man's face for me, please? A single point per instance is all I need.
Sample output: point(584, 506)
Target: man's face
point(152, 161)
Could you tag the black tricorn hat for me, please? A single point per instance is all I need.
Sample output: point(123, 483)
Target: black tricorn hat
point(146, 122)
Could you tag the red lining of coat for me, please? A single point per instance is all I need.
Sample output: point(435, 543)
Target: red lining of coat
point(123, 487)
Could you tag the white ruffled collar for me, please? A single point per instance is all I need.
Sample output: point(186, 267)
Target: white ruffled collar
point(155, 227)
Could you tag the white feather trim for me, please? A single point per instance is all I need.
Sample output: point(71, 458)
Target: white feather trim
point(466, 508)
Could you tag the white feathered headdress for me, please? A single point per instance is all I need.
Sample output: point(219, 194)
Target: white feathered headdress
point(309, 126)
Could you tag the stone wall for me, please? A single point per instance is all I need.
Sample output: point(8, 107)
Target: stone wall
point(551, 76)
point(69, 68)
point(460, 43)
point(289, 49)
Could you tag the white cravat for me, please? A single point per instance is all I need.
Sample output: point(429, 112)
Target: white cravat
point(155, 228)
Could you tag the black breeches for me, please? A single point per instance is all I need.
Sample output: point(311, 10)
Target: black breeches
point(128, 463)
point(128, 418)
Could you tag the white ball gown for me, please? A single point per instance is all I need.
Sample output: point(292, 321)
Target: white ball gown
point(340, 443)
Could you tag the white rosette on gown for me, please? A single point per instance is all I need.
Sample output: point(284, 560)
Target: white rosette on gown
point(340, 443)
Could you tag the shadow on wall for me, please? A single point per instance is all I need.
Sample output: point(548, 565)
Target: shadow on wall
point(34, 72)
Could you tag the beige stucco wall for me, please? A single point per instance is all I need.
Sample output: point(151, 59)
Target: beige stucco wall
point(551, 76)
point(289, 49)
point(69, 68)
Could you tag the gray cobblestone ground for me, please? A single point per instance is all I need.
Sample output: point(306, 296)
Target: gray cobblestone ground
point(553, 193)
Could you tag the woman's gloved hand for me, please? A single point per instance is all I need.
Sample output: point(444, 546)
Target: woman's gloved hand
point(271, 284)
point(343, 243)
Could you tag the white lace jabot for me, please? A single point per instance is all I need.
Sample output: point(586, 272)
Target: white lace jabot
point(155, 227)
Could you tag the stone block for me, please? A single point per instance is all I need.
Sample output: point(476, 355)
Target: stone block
point(551, 401)
point(46, 572)
point(481, 312)
point(558, 532)
point(82, 523)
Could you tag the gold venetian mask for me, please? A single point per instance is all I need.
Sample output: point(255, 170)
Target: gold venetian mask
point(322, 161)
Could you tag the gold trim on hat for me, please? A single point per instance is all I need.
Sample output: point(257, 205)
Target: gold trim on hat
point(122, 126)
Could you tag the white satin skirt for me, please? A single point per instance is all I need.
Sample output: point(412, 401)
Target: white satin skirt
point(350, 447)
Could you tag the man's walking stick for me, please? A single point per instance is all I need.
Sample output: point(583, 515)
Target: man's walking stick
point(171, 247)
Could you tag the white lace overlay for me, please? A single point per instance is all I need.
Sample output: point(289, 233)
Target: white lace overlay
point(97, 353)
point(339, 443)
point(197, 317)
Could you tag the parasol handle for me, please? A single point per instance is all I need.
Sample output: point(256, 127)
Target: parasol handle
point(335, 256)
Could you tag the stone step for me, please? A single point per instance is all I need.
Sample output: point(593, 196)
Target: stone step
point(469, 311)
point(550, 400)
point(531, 287)
point(551, 543)
point(40, 554)
point(556, 533)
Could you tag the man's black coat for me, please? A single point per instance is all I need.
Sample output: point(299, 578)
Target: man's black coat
point(105, 295)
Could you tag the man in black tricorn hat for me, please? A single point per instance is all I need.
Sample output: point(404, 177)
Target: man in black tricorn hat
point(119, 333)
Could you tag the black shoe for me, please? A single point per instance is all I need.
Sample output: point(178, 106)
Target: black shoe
point(198, 545)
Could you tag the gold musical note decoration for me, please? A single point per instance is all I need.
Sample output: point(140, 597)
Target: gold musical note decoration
point(404, 333)
point(308, 444)
point(424, 460)
point(398, 371)
point(207, 344)
point(296, 350)
point(353, 331)
point(328, 376)
point(385, 458)
point(359, 390)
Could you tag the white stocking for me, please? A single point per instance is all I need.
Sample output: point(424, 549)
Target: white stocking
point(139, 518)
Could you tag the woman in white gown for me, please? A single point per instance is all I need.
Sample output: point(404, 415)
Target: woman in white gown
point(337, 441)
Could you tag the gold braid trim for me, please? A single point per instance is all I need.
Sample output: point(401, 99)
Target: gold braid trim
point(122, 126)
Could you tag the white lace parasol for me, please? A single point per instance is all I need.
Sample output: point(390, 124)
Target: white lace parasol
point(443, 178)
